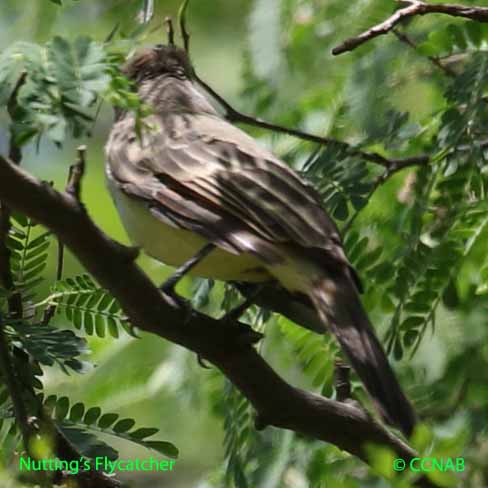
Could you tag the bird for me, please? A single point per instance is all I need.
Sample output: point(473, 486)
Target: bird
point(198, 193)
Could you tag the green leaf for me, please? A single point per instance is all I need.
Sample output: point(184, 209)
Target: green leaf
point(410, 337)
point(107, 420)
point(62, 408)
point(457, 36)
point(165, 448)
point(86, 442)
point(439, 42)
point(201, 291)
point(50, 403)
point(398, 350)
point(89, 307)
point(474, 33)
point(341, 212)
point(143, 433)
point(123, 425)
point(76, 412)
point(412, 322)
point(92, 415)
point(50, 345)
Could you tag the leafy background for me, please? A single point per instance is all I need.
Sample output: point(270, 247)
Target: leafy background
point(418, 240)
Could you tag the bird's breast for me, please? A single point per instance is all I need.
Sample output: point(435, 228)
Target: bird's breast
point(174, 246)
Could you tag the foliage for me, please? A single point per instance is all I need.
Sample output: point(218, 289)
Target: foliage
point(92, 419)
point(36, 346)
point(89, 307)
point(28, 255)
point(63, 81)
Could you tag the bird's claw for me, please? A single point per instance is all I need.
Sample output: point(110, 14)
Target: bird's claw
point(179, 302)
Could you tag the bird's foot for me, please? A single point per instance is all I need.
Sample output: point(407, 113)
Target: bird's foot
point(237, 312)
point(177, 301)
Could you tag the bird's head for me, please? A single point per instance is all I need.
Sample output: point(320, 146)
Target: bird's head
point(164, 78)
point(161, 60)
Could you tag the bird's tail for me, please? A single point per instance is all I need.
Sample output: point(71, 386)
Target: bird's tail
point(338, 304)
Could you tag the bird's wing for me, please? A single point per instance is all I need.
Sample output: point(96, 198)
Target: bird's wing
point(205, 175)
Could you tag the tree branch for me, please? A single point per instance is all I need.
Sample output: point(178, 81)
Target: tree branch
point(412, 8)
point(76, 172)
point(170, 32)
point(402, 37)
point(6, 279)
point(182, 21)
point(226, 345)
point(233, 115)
point(28, 423)
point(13, 385)
point(14, 300)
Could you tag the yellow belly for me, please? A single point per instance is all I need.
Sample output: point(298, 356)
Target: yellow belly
point(174, 246)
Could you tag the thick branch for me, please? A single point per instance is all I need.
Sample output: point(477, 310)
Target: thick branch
point(28, 424)
point(225, 345)
point(412, 8)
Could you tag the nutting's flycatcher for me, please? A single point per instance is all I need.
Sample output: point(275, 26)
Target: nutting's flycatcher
point(195, 185)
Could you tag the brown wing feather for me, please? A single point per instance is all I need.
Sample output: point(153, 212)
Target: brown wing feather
point(208, 176)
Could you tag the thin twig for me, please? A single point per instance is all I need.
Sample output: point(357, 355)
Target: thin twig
point(233, 115)
point(170, 31)
point(412, 8)
point(397, 166)
point(342, 381)
point(402, 37)
point(76, 172)
point(73, 188)
point(6, 278)
point(182, 21)
point(111, 34)
point(13, 385)
point(51, 309)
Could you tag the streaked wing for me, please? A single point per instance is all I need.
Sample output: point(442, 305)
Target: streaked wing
point(205, 175)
